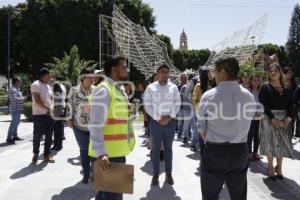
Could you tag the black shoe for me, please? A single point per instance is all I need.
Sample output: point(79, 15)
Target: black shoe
point(162, 155)
point(56, 148)
point(10, 142)
point(185, 140)
point(201, 151)
point(155, 181)
point(17, 138)
point(169, 179)
point(279, 176)
point(85, 179)
point(64, 138)
point(193, 148)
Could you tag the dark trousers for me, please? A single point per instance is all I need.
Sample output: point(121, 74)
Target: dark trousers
point(162, 134)
point(253, 136)
point(58, 133)
point(109, 195)
point(224, 164)
point(42, 124)
point(83, 140)
point(297, 130)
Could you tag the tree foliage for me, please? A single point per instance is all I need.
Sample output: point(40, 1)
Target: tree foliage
point(190, 59)
point(70, 65)
point(271, 49)
point(47, 28)
point(293, 44)
point(167, 41)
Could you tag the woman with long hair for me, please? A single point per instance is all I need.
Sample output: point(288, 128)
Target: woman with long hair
point(253, 136)
point(275, 126)
point(206, 82)
point(245, 80)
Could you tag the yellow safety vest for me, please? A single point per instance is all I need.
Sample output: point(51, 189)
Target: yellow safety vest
point(118, 134)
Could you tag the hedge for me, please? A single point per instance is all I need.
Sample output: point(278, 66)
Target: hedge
point(28, 110)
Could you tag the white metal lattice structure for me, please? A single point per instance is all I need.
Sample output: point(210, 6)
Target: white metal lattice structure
point(146, 52)
point(241, 45)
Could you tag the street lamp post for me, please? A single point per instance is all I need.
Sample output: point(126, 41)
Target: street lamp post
point(9, 18)
point(8, 50)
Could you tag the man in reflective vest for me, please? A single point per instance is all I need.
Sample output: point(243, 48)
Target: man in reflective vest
point(111, 133)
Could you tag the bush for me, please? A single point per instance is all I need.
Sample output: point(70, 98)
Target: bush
point(3, 92)
point(3, 101)
point(28, 110)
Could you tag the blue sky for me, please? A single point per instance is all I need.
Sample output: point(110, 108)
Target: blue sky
point(207, 22)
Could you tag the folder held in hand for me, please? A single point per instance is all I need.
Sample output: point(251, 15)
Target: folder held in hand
point(119, 178)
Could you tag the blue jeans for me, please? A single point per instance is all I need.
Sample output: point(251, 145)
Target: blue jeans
point(161, 134)
point(15, 121)
point(83, 140)
point(187, 115)
point(196, 135)
point(180, 122)
point(109, 195)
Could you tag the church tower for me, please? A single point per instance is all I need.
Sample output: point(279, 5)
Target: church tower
point(183, 41)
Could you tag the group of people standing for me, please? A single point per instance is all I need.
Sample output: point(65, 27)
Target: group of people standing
point(229, 115)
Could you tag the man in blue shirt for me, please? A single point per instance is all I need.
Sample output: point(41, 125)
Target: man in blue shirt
point(224, 120)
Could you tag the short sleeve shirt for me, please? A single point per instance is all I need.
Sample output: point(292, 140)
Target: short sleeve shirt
point(45, 94)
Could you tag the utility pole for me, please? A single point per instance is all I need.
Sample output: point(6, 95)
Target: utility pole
point(8, 51)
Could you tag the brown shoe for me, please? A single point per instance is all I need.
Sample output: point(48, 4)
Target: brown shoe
point(35, 158)
point(169, 179)
point(49, 159)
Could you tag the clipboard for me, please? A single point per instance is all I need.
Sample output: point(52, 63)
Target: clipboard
point(119, 178)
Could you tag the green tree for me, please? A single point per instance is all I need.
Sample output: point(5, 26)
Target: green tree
point(271, 49)
point(48, 28)
point(17, 54)
point(166, 40)
point(293, 43)
point(70, 65)
point(190, 59)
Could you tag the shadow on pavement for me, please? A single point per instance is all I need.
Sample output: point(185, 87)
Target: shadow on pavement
point(194, 156)
point(4, 144)
point(165, 193)
point(198, 172)
point(147, 168)
point(30, 169)
point(285, 189)
point(258, 167)
point(296, 155)
point(74, 161)
point(78, 191)
point(186, 145)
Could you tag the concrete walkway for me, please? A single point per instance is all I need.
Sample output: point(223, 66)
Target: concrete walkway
point(61, 181)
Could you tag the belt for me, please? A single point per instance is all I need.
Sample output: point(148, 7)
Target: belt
point(225, 144)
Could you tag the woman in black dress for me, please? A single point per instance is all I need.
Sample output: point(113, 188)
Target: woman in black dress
point(275, 127)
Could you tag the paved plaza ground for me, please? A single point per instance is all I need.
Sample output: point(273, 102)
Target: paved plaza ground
point(61, 181)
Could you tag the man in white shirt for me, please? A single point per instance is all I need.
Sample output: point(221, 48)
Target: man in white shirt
point(42, 121)
point(162, 103)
